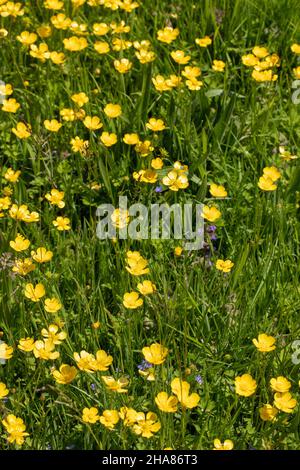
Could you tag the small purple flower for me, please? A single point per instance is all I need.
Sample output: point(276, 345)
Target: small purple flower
point(93, 387)
point(211, 228)
point(199, 379)
point(158, 189)
point(144, 365)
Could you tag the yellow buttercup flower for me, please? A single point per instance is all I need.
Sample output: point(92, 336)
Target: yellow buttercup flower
point(194, 84)
point(180, 58)
point(264, 343)
point(6, 351)
point(128, 415)
point(57, 58)
point(109, 418)
point(175, 180)
point(119, 28)
point(80, 99)
point(68, 114)
point(173, 81)
point(161, 84)
point(117, 386)
point(65, 375)
point(245, 385)
point(100, 29)
point(112, 110)
point(181, 389)
point(260, 52)
point(102, 47)
point(42, 255)
point(145, 56)
point(85, 361)
point(131, 139)
point(218, 65)
point(166, 403)
point(79, 145)
point(90, 415)
point(250, 60)
point(53, 335)
point(27, 38)
point(75, 44)
point(3, 390)
point(146, 424)
point(129, 5)
point(203, 42)
point(62, 223)
point(26, 344)
point(10, 106)
point(44, 350)
point(12, 9)
point(144, 148)
point(53, 4)
point(137, 265)
point(34, 293)
point(44, 31)
point(157, 163)
point(146, 287)
point(16, 429)
point(22, 130)
point(3, 33)
point(120, 218)
point(108, 139)
point(226, 445)
point(272, 172)
point(5, 202)
point(20, 243)
point(52, 125)
point(264, 76)
point(286, 154)
point(146, 176)
point(6, 89)
point(123, 65)
point(121, 44)
point(22, 213)
point(102, 361)
point(268, 412)
point(92, 123)
point(40, 52)
point(295, 48)
point(224, 266)
point(61, 21)
point(285, 402)
point(155, 354)
point(266, 184)
point(280, 384)
point(191, 72)
point(217, 190)
point(52, 305)
point(23, 266)
point(212, 214)
point(155, 125)
point(132, 300)
point(168, 34)
point(56, 198)
point(178, 251)
point(12, 176)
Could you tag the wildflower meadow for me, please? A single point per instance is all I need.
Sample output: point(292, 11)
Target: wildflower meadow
point(170, 322)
